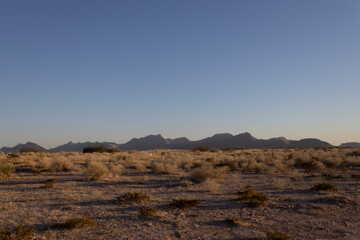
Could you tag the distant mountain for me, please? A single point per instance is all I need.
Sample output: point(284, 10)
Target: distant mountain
point(18, 147)
point(78, 147)
point(350, 145)
point(309, 142)
point(145, 143)
point(218, 141)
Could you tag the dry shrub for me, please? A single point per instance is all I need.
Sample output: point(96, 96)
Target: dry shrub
point(20, 233)
point(164, 167)
point(356, 176)
point(253, 198)
point(277, 235)
point(324, 187)
point(205, 172)
point(95, 171)
point(6, 169)
point(116, 170)
point(75, 223)
point(133, 197)
point(61, 165)
point(185, 203)
point(50, 183)
point(148, 212)
point(233, 221)
point(210, 185)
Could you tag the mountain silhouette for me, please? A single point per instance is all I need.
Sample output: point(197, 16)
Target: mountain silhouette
point(217, 141)
point(350, 145)
point(17, 148)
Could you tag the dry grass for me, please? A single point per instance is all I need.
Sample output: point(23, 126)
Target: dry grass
point(148, 212)
point(6, 169)
point(133, 197)
point(277, 235)
point(324, 187)
point(185, 203)
point(205, 172)
point(50, 183)
point(95, 171)
point(252, 198)
point(20, 233)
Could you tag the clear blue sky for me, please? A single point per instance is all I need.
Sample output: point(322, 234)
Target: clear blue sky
point(112, 70)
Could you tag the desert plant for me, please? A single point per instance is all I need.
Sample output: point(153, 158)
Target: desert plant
point(356, 176)
point(133, 197)
point(148, 212)
point(185, 203)
point(204, 172)
point(233, 221)
point(201, 149)
point(164, 167)
point(50, 183)
point(277, 235)
point(78, 222)
point(253, 198)
point(61, 165)
point(6, 169)
point(20, 233)
point(324, 187)
point(95, 171)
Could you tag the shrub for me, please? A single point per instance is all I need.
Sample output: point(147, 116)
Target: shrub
point(13, 155)
point(353, 154)
point(74, 223)
point(95, 171)
point(99, 149)
point(233, 221)
point(277, 235)
point(148, 212)
point(312, 166)
point(61, 165)
point(6, 169)
point(230, 165)
point(133, 197)
point(332, 176)
point(164, 167)
point(204, 172)
point(324, 187)
point(356, 176)
point(50, 183)
point(253, 198)
point(185, 203)
point(201, 149)
point(21, 233)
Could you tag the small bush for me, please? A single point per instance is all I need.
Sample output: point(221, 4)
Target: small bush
point(6, 169)
point(312, 166)
point(20, 233)
point(324, 187)
point(277, 235)
point(253, 198)
point(133, 197)
point(205, 172)
point(50, 183)
point(201, 149)
point(230, 165)
point(233, 221)
point(148, 212)
point(185, 203)
point(164, 167)
point(61, 165)
point(95, 171)
point(332, 176)
point(13, 155)
point(353, 154)
point(74, 223)
point(99, 149)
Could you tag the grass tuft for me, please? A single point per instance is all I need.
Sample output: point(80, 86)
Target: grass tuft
point(324, 187)
point(185, 203)
point(253, 198)
point(133, 197)
point(21, 233)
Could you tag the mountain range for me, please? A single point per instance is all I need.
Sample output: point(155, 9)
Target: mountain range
point(218, 141)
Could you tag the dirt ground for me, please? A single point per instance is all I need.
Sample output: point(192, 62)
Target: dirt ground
point(293, 208)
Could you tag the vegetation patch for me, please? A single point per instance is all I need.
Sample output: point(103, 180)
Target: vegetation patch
point(133, 197)
point(355, 176)
point(148, 212)
point(233, 221)
point(277, 235)
point(99, 149)
point(20, 233)
point(324, 187)
point(205, 172)
point(252, 198)
point(330, 176)
point(50, 183)
point(75, 223)
point(6, 169)
point(185, 203)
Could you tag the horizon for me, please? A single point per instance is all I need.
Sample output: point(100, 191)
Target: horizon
point(165, 137)
point(116, 70)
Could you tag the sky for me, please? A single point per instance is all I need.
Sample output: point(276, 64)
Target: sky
point(85, 70)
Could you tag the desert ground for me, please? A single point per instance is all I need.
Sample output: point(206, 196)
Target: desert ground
point(181, 194)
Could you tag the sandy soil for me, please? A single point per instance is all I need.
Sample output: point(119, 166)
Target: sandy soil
point(292, 208)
